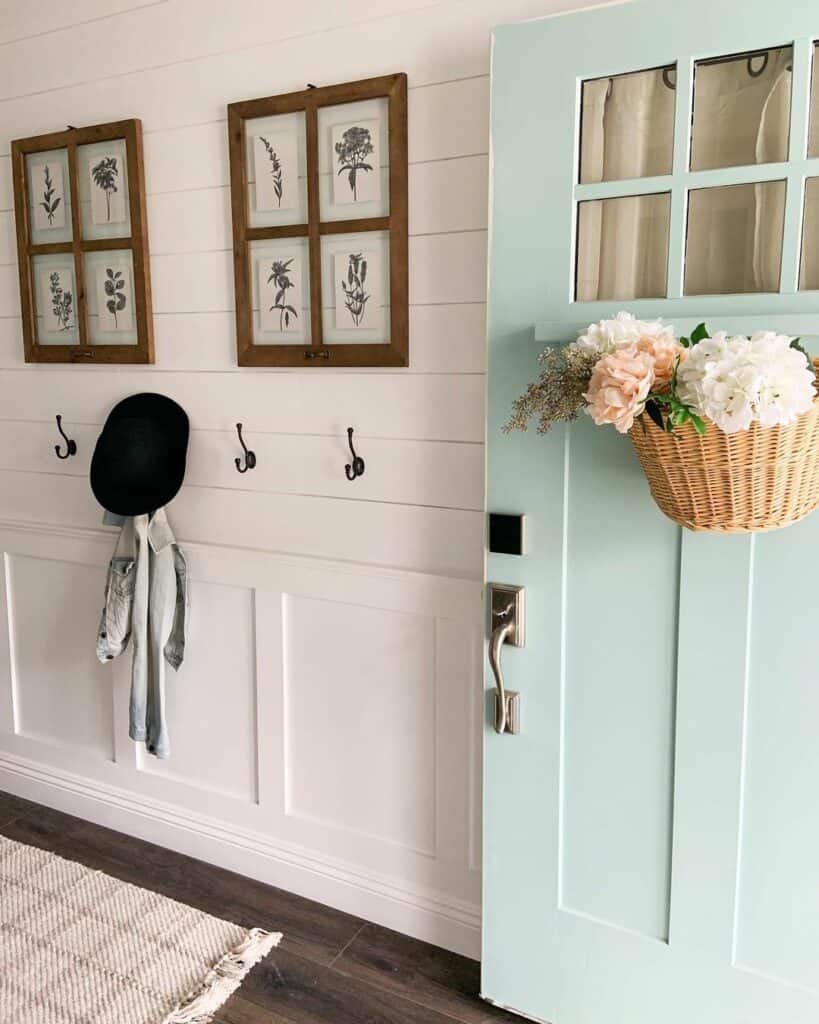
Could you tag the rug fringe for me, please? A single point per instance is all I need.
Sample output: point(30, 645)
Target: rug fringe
point(223, 979)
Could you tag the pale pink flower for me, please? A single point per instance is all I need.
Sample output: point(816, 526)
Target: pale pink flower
point(664, 350)
point(619, 386)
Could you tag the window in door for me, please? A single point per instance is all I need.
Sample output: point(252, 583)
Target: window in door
point(732, 207)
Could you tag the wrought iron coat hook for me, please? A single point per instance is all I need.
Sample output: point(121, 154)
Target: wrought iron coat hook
point(356, 469)
point(250, 457)
point(70, 444)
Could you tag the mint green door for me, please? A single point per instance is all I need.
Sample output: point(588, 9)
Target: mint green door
point(651, 837)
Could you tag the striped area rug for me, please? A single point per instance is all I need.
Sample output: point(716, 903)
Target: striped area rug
point(80, 947)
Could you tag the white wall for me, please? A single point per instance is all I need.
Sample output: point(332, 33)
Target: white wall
point(326, 728)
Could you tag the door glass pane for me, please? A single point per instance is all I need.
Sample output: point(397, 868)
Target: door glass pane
point(627, 126)
point(742, 109)
point(734, 241)
point(622, 248)
point(809, 274)
point(813, 137)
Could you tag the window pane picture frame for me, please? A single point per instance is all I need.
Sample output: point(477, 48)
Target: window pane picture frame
point(319, 208)
point(82, 244)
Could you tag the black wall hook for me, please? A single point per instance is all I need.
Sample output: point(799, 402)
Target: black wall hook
point(250, 457)
point(357, 468)
point(71, 445)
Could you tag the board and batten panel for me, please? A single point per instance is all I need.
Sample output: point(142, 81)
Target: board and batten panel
point(211, 700)
point(60, 693)
point(617, 793)
point(360, 744)
point(777, 915)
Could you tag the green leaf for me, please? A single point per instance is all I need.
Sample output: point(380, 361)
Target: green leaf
point(797, 344)
point(699, 424)
point(699, 333)
point(685, 342)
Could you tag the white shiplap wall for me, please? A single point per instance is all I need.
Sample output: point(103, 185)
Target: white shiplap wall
point(327, 732)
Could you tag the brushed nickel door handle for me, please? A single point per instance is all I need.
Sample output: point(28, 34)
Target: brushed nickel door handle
point(507, 626)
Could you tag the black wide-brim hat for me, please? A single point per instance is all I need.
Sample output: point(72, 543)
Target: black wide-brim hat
point(139, 460)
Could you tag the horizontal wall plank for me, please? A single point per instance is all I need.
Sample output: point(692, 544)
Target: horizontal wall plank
point(443, 339)
point(444, 196)
point(21, 21)
point(438, 44)
point(428, 473)
point(411, 407)
point(167, 33)
point(427, 540)
point(443, 268)
point(446, 121)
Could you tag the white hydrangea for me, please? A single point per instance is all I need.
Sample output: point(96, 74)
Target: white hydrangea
point(735, 381)
point(623, 329)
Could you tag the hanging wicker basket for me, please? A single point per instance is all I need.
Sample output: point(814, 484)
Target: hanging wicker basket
point(757, 479)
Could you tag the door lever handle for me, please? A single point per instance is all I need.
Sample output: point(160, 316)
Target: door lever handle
point(507, 628)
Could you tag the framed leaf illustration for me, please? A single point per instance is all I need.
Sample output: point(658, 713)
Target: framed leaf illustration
point(319, 203)
point(82, 242)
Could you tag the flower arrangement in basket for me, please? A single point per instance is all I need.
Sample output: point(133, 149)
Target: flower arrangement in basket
point(726, 428)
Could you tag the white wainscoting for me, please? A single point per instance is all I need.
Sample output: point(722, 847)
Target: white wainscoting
point(324, 728)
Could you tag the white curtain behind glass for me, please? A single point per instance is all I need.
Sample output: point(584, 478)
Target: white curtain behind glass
point(734, 235)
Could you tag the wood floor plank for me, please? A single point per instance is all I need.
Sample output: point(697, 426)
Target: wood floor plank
point(312, 930)
point(14, 806)
point(440, 980)
point(433, 977)
point(239, 1011)
point(304, 993)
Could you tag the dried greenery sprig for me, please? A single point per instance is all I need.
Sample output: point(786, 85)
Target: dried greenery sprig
point(61, 302)
point(557, 395)
point(50, 202)
point(275, 169)
point(355, 298)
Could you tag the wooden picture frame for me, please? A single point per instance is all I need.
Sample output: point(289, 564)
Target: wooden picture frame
point(83, 242)
point(393, 351)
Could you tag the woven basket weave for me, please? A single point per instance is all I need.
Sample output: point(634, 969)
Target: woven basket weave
point(757, 479)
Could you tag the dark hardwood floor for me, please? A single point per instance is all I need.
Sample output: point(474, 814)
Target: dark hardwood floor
point(331, 967)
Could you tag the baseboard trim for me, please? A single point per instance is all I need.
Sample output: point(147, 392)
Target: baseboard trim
point(432, 917)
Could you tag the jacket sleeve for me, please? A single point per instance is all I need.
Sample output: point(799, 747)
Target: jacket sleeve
point(175, 647)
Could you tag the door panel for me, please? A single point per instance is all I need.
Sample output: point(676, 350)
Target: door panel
point(651, 836)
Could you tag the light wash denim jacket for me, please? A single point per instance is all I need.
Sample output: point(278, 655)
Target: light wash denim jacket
point(146, 597)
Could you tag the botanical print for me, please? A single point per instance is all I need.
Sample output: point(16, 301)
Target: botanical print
point(358, 293)
point(279, 294)
point(358, 172)
point(114, 298)
point(57, 286)
point(49, 208)
point(107, 199)
point(276, 171)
